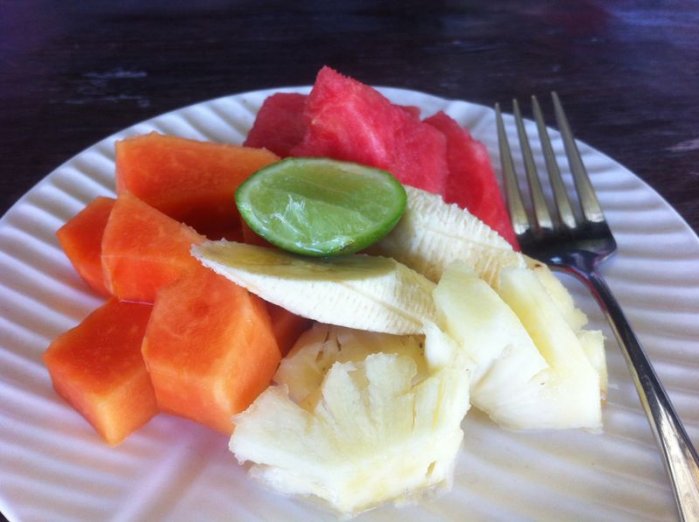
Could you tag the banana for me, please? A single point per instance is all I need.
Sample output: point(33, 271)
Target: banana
point(433, 234)
point(370, 293)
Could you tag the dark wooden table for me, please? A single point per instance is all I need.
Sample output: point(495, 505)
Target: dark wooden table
point(72, 73)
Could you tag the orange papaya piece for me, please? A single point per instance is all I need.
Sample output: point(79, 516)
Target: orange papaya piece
point(209, 349)
point(286, 326)
point(97, 367)
point(144, 250)
point(190, 181)
point(81, 240)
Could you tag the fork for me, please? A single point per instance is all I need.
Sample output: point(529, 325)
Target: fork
point(578, 243)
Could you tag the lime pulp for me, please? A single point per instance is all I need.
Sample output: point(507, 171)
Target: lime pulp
point(321, 207)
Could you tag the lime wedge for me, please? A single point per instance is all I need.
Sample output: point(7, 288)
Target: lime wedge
point(321, 207)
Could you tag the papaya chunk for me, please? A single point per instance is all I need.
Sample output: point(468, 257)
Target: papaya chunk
point(191, 181)
point(97, 367)
point(81, 240)
point(144, 250)
point(287, 327)
point(209, 349)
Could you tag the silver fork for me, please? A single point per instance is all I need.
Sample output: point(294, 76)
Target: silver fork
point(578, 244)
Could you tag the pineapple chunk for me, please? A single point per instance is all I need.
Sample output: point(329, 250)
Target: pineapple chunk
point(304, 369)
point(533, 371)
point(358, 418)
point(592, 340)
point(575, 318)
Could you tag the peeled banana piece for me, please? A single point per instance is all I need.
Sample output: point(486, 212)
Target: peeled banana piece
point(433, 234)
point(372, 293)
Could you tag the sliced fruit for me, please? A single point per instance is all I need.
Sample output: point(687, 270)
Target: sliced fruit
point(302, 371)
point(472, 183)
point(144, 250)
point(286, 326)
point(97, 367)
point(252, 238)
point(367, 421)
point(348, 120)
point(359, 291)
point(280, 123)
point(81, 240)
point(345, 119)
point(592, 341)
point(432, 235)
point(209, 348)
point(321, 207)
point(190, 181)
point(572, 353)
point(575, 318)
point(531, 369)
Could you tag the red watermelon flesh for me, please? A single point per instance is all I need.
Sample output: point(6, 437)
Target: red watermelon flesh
point(471, 183)
point(280, 124)
point(411, 110)
point(348, 120)
point(345, 119)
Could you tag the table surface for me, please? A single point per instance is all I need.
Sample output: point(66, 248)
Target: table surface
point(72, 73)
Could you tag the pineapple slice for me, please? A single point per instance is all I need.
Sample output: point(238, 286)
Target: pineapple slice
point(575, 318)
point(592, 340)
point(356, 418)
point(533, 371)
point(304, 369)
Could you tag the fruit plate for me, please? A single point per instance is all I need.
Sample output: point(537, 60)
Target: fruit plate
point(54, 467)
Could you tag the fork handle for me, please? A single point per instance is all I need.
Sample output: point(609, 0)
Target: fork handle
point(680, 457)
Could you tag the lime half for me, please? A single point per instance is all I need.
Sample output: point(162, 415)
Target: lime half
point(321, 207)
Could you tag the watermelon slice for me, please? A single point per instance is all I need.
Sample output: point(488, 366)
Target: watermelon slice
point(472, 183)
point(348, 120)
point(280, 124)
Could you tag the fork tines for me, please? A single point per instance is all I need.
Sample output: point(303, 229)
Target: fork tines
point(544, 221)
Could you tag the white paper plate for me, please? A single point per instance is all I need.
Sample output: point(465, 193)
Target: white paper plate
point(54, 467)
